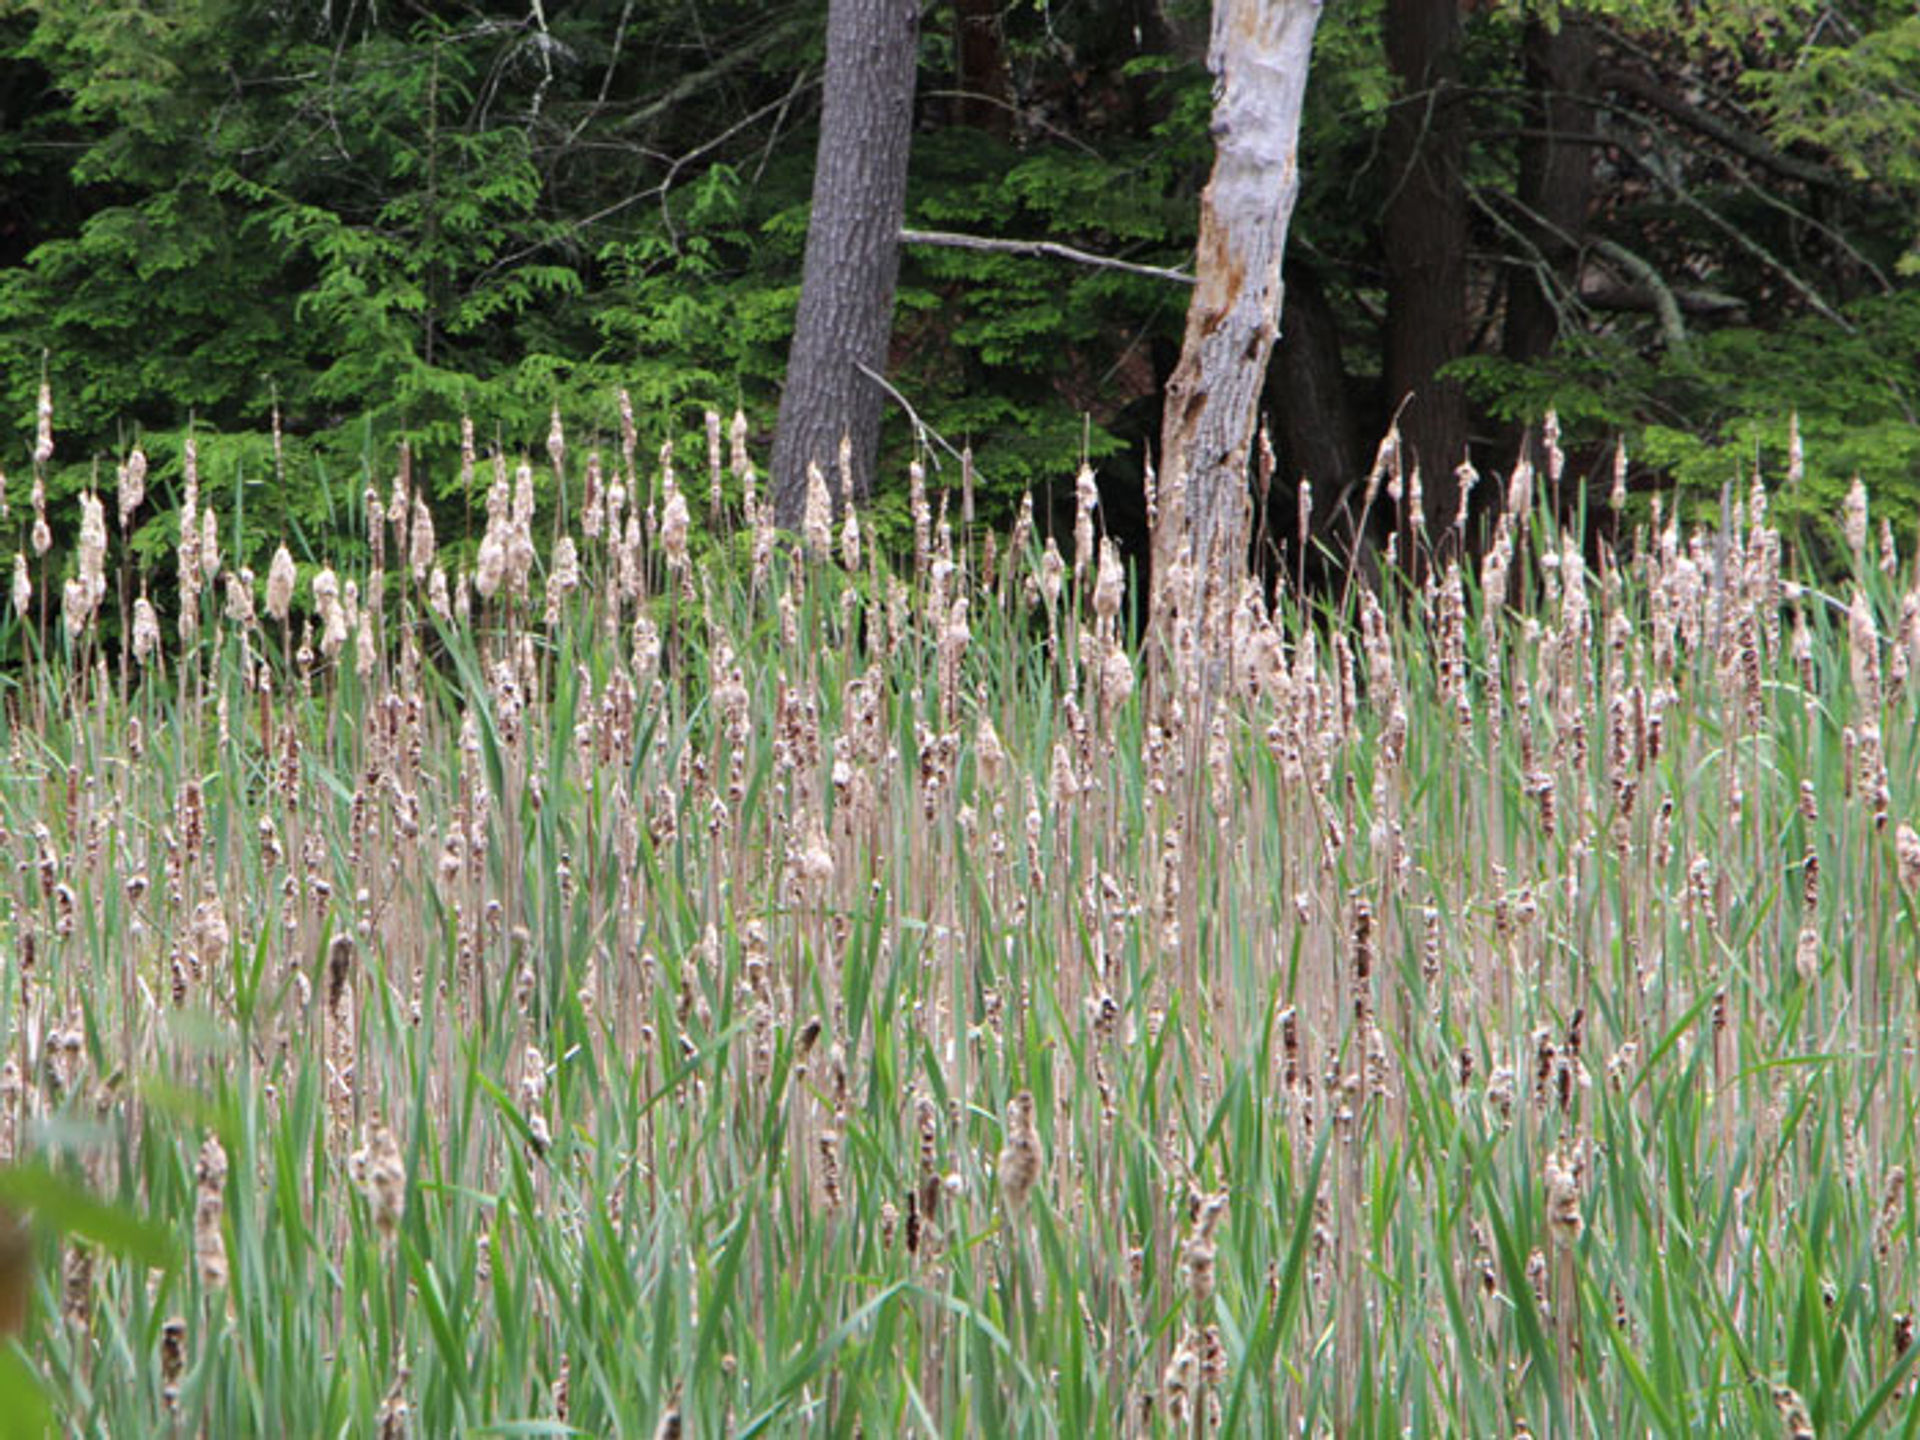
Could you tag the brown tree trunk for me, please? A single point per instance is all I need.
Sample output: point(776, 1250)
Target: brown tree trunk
point(1425, 233)
point(985, 102)
point(1316, 431)
point(1259, 54)
point(1556, 180)
point(853, 251)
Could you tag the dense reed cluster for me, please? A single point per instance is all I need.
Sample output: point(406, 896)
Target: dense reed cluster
point(611, 990)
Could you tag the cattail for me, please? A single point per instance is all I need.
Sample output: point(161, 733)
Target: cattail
point(1794, 1418)
point(563, 578)
point(1854, 519)
point(714, 495)
point(210, 936)
point(1202, 1248)
point(209, 544)
point(93, 547)
point(381, 1176)
point(828, 1145)
point(396, 1413)
point(1806, 954)
point(240, 597)
point(1361, 946)
point(533, 1079)
point(1906, 845)
point(420, 542)
point(850, 541)
point(43, 434)
point(76, 609)
point(131, 486)
point(1563, 1201)
point(22, 585)
point(173, 1360)
point(1019, 1163)
point(76, 1287)
point(1086, 495)
point(1500, 1092)
point(280, 576)
point(816, 521)
point(1863, 653)
point(738, 461)
point(333, 618)
point(1109, 582)
point(209, 1244)
point(1180, 1381)
point(1116, 679)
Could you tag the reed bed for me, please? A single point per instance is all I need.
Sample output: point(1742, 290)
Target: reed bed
point(660, 979)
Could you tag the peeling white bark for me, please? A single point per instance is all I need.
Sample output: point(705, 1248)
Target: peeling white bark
point(1258, 54)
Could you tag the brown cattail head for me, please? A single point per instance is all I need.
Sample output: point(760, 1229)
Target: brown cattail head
point(396, 1413)
point(1202, 1247)
point(380, 1172)
point(173, 1360)
point(1020, 1159)
point(340, 957)
point(209, 1214)
point(1906, 844)
point(76, 1287)
point(1795, 1421)
point(1563, 1201)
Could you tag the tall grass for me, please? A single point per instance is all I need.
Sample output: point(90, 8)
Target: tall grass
point(624, 995)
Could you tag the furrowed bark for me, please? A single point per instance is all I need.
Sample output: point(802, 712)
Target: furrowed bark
point(853, 251)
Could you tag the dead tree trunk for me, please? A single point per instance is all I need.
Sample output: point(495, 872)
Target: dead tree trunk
point(1258, 54)
point(853, 251)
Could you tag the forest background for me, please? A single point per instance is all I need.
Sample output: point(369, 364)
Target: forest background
point(313, 231)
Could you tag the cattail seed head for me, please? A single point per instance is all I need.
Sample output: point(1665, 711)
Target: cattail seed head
point(380, 1173)
point(1854, 518)
point(1563, 1201)
point(1906, 844)
point(1019, 1164)
point(209, 1243)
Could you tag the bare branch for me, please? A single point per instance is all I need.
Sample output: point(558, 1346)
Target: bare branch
point(1600, 294)
point(1672, 326)
point(1815, 301)
point(1742, 142)
point(921, 428)
point(1039, 248)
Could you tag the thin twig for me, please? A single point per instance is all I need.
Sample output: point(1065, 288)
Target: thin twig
point(921, 428)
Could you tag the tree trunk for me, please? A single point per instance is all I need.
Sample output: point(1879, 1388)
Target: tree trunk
point(853, 251)
point(984, 101)
point(1556, 180)
point(1315, 429)
point(1258, 54)
point(1425, 233)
